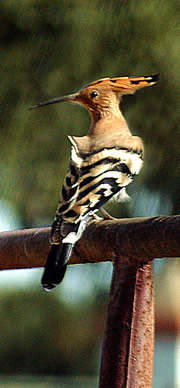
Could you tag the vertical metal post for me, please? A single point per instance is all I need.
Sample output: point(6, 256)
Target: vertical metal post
point(127, 352)
point(140, 366)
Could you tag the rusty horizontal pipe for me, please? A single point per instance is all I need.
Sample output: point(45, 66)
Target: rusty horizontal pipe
point(134, 241)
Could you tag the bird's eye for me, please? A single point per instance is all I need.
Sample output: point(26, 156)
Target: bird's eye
point(94, 94)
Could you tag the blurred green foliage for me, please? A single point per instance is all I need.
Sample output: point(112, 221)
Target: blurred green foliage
point(54, 48)
point(40, 334)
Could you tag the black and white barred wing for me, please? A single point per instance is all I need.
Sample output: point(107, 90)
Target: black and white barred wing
point(103, 175)
point(92, 180)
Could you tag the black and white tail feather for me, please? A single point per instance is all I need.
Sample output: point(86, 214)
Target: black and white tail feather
point(56, 264)
point(59, 255)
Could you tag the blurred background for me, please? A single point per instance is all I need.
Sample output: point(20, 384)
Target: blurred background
point(50, 48)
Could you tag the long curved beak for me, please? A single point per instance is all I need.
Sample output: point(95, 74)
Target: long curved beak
point(68, 98)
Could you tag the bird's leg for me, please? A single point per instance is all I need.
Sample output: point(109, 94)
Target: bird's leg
point(106, 215)
point(96, 218)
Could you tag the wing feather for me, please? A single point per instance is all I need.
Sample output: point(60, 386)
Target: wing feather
point(91, 181)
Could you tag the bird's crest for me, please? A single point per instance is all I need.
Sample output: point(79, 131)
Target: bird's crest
point(126, 85)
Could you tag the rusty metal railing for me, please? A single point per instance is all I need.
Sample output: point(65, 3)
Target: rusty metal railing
point(132, 244)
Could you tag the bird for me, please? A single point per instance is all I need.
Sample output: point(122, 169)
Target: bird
point(102, 164)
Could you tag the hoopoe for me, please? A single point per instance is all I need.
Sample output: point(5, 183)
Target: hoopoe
point(102, 164)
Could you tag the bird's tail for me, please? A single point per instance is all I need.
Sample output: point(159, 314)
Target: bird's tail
point(56, 264)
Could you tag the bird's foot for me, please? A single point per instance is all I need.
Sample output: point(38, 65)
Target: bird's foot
point(96, 218)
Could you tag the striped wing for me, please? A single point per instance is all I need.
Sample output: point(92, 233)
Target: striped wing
point(102, 176)
point(91, 181)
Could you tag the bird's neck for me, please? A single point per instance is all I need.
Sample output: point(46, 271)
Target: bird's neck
point(108, 122)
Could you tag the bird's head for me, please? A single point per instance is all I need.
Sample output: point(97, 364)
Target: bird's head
point(102, 96)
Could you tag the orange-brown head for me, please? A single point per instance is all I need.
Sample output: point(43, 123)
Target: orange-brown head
point(101, 97)
point(99, 93)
